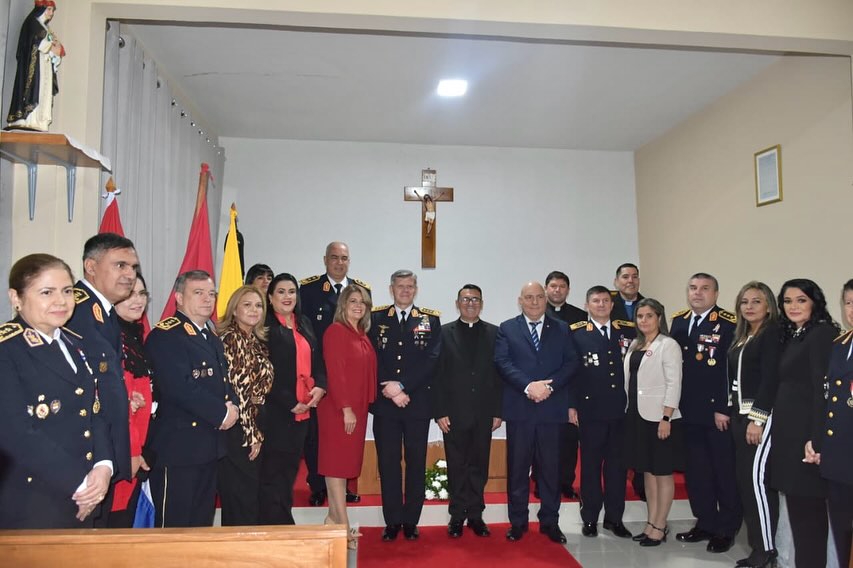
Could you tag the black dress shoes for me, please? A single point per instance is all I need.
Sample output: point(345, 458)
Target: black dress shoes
point(589, 529)
point(390, 533)
point(759, 559)
point(719, 544)
point(515, 532)
point(617, 528)
point(694, 535)
point(317, 498)
point(411, 532)
point(479, 527)
point(353, 497)
point(649, 541)
point(554, 533)
point(454, 529)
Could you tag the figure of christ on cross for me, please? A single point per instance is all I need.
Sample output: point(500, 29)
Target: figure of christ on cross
point(428, 194)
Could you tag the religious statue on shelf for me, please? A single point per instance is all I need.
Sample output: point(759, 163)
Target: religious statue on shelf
point(39, 55)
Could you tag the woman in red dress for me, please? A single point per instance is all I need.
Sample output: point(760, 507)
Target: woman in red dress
point(342, 417)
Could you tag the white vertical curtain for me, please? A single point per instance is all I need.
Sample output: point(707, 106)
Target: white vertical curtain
point(157, 148)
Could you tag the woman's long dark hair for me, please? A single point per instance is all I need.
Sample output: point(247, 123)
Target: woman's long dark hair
point(819, 312)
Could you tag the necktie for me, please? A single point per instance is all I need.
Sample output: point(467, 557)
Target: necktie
point(695, 327)
point(204, 333)
point(533, 335)
point(604, 331)
point(338, 287)
point(402, 317)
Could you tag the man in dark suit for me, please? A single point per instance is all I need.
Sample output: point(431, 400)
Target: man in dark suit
point(557, 288)
point(537, 359)
point(599, 390)
point(407, 340)
point(319, 296)
point(194, 409)
point(110, 265)
point(704, 332)
point(627, 293)
point(467, 409)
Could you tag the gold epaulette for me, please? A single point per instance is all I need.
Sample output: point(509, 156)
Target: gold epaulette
point(429, 312)
point(80, 295)
point(168, 323)
point(728, 316)
point(577, 325)
point(614, 293)
point(72, 333)
point(310, 279)
point(623, 323)
point(361, 283)
point(843, 338)
point(681, 313)
point(10, 330)
point(381, 308)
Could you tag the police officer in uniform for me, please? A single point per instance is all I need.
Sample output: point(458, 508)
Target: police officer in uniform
point(110, 265)
point(704, 332)
point(319, 297)
point(55, 452)
point(195, 406)
point(407, 340)
point(600, 413)
point(557, 288)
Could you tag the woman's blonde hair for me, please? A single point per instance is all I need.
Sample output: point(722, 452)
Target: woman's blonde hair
point(228, 319)
point(341, 310)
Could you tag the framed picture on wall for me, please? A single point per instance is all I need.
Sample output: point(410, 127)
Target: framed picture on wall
point(768, 175)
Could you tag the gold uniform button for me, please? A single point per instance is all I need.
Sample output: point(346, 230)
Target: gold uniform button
point(78, 391)
point(226, 397)
point(398, 371)
point(400, 343)
point(831, 414)
point(829, 432)
point(87, 434)
point(399, 357)
point(29, 480)
point(88, 456)
point(195, 424)
point(586, 398)
point(613, 386)
point(838, 382)
point(835, 399)
point(83, 412)
point(612, 374)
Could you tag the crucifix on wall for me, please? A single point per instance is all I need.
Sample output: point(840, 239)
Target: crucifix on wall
point(428, 194)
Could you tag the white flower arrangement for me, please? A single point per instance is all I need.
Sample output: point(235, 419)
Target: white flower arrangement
point(436, 481)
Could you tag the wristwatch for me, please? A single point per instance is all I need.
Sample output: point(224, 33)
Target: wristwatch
point(666, 418)
point(758, 423)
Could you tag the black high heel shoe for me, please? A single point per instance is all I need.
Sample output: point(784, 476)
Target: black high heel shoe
point(649, 541)
point(642, 535)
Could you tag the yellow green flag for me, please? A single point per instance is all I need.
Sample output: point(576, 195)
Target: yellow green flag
point(231, 277)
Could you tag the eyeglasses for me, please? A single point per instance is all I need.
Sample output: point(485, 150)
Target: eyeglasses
point(471, 300)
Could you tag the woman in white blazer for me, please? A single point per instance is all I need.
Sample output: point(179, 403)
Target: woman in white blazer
point(653, 433)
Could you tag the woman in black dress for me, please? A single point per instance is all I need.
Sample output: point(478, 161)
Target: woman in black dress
point(832, 439)
point(753, 365)
point(808, 331)
point(299, 382)
point(653, 432)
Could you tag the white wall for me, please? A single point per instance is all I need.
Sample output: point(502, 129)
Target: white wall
point(517, 214)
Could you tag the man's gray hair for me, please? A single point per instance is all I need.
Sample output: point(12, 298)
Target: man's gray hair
point(403, 274)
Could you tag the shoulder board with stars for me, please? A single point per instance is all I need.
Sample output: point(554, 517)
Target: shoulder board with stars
point(614, 292)
point(429, 312)
point(381, 308)
point(842, 339)
point(728, 316)
point(71, 333)
point(168, 323)
point(361, 283)
point(80, 295)
point(623, 323)
point(578, 325)
point(681, 313)
point(10, 330)
point(310, 279)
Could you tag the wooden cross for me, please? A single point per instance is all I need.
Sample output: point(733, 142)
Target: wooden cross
point(428, 194)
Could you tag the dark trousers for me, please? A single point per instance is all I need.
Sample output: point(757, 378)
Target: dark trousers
point(123, 518)
point(395, 440)
point(710, 479)
point(760, 502)
point(467, 450)
point(568, 455)
point(312, 452)
point(237, 482)
point(527, 441)
point(809, 529)
point(277, 474)
point(840, 505)
point(101, 517)
point(184, 496)
point(601, 443)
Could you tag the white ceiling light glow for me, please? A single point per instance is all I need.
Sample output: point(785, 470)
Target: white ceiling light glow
point(452, 87)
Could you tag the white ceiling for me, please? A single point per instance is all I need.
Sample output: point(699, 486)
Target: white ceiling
point(309, 85)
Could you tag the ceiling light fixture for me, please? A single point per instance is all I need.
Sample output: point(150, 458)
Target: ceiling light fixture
point(452, 87)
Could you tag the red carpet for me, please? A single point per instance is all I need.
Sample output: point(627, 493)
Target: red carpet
point(435, 549)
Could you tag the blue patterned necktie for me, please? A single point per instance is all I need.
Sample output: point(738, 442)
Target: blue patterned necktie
point(533, 335)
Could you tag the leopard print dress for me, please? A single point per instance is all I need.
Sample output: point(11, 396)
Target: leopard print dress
point(251, 374)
